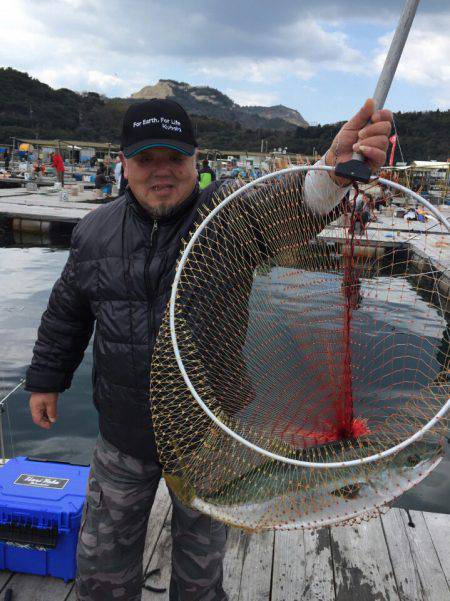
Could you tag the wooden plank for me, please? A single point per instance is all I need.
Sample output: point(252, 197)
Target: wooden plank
point(52, 200)
point(362, 568)
point(438, 525)
point(158, 517)
point(431, 244)
point(432, 581)
point(406, 572)
point(237, 543)
point(5, 192)
point(257, 568)
point(27, 587)
point(430, 568)
point(44, 213)
point(302, 566)
point(71, 596)
point(5, 577)
point(161, 559)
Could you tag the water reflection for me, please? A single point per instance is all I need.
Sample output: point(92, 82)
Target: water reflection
point(400, 343)
point(26, 278)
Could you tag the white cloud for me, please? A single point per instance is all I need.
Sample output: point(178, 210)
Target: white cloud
point(319, 46)
point(442, 102)
point(246, 98)
point(122, 42)
point(425, 59)
point(104, 81)
point(21, 35)
point(77, 77)
point(256, 71)
point(117, 47)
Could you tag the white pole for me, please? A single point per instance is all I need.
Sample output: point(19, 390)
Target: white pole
point(356, 168)
point(393, 58)
point(173, 299)
point(395, 52)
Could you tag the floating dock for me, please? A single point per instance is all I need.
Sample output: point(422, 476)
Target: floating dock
point(383, 559)
point(427, 243)
point(36, 206)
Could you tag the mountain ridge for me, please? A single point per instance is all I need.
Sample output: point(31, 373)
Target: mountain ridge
point(210, 102)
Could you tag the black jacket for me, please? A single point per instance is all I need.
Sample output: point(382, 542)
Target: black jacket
point(118, 277)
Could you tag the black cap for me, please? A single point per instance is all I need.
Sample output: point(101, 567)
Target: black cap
point(156, 123)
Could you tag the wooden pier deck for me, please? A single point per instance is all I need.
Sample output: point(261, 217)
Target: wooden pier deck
point(383, 559)
point(429, 241)
point(45, 207)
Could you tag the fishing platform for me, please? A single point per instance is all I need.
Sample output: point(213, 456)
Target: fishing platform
point(34, 212)
point(383, 559)
point(37, 206)
point(427, 243)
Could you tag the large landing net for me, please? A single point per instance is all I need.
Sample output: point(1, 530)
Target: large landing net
point(313, 357)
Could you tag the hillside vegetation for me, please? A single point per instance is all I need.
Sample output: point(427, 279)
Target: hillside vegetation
point(31, 109)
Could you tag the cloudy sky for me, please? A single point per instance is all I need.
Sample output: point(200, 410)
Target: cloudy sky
point(321, 58)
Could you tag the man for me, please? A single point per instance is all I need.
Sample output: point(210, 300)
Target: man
point(100, 182)
point(118, 276)
point(118, 170)
point(106, 165)
point(58, 164)
point(361, 216)
point(206, 175)
point(7, 159)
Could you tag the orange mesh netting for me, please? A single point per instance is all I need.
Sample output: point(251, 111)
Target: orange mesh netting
point(315, 340)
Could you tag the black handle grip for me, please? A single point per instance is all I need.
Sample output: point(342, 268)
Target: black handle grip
point(354, 170)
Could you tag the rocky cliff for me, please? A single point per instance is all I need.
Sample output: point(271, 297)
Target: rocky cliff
point(203, 100)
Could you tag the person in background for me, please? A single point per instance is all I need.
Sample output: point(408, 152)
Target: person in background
point(361, 215)
point(100, 179)
point(206, 175)
point(107, 168)
point(123, 183)
point(7, 159)
point(118, 172)
point(58, 164)
point(123, 180)
point(39, 167)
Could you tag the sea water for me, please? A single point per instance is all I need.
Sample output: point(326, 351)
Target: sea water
point(26, 279)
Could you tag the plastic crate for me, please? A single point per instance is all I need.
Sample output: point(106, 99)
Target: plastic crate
point(41, 504)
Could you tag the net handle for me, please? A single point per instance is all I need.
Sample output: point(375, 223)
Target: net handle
point(173, 297)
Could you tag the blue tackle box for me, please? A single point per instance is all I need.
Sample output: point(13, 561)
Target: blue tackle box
point(40, 514)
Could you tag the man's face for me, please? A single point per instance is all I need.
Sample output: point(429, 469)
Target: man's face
point(160, 179)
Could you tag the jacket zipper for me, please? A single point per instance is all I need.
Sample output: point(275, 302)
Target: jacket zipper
point(150, 294)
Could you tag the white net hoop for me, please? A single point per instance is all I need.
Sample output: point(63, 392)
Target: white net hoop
point(216, 419)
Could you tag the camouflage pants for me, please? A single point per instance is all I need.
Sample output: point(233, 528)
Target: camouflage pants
point(121, 491)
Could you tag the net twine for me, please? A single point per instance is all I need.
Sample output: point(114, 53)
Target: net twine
point(301, 347)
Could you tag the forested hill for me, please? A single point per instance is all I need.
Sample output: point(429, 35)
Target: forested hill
point(31, 109)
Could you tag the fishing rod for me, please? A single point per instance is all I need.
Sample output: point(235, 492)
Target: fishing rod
point(357, 169)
